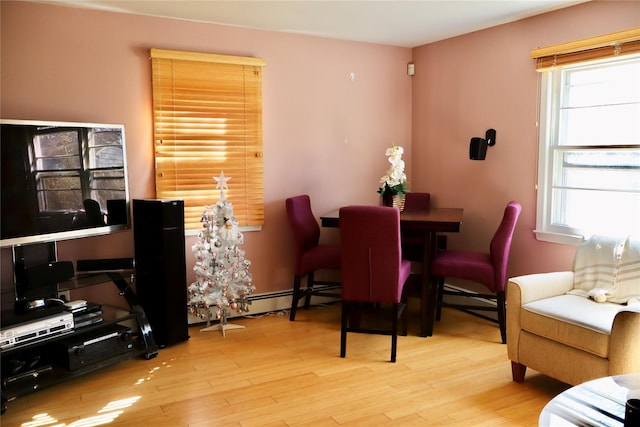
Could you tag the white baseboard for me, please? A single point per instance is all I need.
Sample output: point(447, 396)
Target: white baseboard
point(267, 303)
point(281, 301)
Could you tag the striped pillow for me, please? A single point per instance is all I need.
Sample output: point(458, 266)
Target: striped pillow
point(596, 262)
point(626, 287)
point(597, 265)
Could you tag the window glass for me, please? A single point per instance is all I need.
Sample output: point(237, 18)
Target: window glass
point(71, 165)
point(589, 174)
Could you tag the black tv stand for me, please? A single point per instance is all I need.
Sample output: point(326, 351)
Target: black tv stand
point(47, 372)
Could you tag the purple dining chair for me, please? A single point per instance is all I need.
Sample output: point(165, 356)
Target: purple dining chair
point(373, 271)
point(310, 255)
point(488, 269)
point(413, 244)
point(417, 201)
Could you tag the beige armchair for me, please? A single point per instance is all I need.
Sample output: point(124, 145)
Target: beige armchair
point(555, 330)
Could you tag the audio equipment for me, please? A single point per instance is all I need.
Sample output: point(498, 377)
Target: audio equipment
point(39, 328)
point(37, 271)
point(92, 347)
point(52, 272)
point(107, 264)
point(478, 146)
point(161, 272)
point(477, 149)
point(84, 313)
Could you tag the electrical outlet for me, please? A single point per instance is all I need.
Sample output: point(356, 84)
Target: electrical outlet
point(65, 295)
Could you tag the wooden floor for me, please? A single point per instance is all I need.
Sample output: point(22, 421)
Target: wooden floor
point(281, 373)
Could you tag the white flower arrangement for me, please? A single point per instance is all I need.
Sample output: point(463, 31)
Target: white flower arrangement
point(394, 182)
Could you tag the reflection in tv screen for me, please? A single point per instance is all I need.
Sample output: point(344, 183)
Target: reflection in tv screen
point(61, 180)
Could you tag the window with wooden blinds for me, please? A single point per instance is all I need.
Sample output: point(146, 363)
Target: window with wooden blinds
point(207, 115)
point(590, 49)
point(589, 139)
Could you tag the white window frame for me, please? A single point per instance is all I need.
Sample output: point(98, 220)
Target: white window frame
point(549, 147)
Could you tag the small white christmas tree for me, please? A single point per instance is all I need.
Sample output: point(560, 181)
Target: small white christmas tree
point(223, 281)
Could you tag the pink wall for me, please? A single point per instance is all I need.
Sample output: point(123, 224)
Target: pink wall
point(323, 135)
point(468, 84)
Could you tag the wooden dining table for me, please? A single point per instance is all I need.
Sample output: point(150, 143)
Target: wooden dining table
point(427, 222)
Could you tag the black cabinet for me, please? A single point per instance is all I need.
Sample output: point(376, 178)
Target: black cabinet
point(161, 272)
point(50, 345)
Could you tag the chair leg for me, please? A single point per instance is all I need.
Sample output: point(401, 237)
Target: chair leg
point(350, 314)
point(294, 298)
point(517, 371)
point(307, 299)
point(439, 298)
point(405, 317)
point(502, 315)
point(343, 328)
point(394, 332)
point(441, 242)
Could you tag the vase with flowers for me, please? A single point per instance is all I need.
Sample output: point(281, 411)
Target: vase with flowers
point(394, 182)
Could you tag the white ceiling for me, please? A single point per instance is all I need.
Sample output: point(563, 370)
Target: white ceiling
point(395, 23)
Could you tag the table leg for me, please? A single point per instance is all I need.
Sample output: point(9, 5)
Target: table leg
point(428, 292)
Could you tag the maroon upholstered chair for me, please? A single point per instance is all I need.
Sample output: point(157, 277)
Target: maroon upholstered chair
point(310, 256)
point(417, 201)
point(488, 269)
point(412, 243)
point(373, 270)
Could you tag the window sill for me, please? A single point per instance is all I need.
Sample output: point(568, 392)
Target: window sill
point(563, 239)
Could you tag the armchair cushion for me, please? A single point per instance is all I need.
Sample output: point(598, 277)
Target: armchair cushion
point(572, 320)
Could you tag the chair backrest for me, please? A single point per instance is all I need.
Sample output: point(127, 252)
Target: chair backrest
point(501, 244)
point(304, 227)
point(371, 254)
point(417, 201)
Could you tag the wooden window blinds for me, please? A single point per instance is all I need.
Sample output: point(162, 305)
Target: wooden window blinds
point(207, 116)
point(593, 48)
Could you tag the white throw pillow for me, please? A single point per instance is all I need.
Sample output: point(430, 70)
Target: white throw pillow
point(626, 287)
point(596, 263)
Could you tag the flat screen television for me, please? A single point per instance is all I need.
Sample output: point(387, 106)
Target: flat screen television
point(61, 180)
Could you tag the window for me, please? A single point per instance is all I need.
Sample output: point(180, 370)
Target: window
point(70, 165)
point(589, 157)
point(207, 112)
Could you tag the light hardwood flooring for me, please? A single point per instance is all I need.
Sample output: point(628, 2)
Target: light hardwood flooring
point(281, 373)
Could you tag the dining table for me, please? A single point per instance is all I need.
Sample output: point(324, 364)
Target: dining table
point(428, 223)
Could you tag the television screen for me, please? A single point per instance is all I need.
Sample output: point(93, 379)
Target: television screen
point(61, 180)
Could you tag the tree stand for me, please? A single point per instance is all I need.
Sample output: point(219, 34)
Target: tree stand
point(222, 326)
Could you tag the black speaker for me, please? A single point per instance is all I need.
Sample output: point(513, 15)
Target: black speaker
point(117, 212)
point(161, 272)
point(37, 271)
point(477, 149)
point(105, 264)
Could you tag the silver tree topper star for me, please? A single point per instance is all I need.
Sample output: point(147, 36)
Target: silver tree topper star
point(222, 181)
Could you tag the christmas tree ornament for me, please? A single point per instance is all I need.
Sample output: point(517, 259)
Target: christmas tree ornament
point(223, 282)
